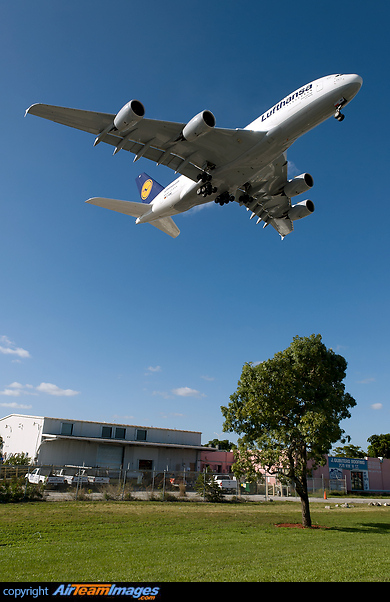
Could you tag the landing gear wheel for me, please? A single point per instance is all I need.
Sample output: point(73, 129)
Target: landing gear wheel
point(204, 177)
point(206, 189)
point(224, 198)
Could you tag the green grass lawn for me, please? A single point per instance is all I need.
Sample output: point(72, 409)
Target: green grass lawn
point(191, 542)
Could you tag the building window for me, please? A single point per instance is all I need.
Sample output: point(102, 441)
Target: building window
point(106, 432)
point(357, 481)
point(120, 433)
point(66, 428)
point(145, 464)
point(141, 435)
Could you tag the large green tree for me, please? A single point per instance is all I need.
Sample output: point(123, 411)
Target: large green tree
point(379, 446)
point(288, 411)
point(348, 451)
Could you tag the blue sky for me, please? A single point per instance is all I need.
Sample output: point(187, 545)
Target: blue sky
point(104, 320)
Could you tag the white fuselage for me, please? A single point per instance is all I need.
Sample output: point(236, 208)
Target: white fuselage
point(282, 124)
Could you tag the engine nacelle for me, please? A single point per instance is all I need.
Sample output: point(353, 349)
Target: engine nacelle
point(300, 210)
point(198, 126)
point(129, 115)
point(298, 185)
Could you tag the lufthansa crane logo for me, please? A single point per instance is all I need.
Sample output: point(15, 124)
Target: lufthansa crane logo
point(146, 188)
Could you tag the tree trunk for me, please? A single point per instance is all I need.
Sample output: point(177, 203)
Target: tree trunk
point(301, 486)
point(306, 518)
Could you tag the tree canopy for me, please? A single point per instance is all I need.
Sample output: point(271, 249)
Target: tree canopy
point(288, 411)
point(349, 451)
point(224, 445)
point(379, 446)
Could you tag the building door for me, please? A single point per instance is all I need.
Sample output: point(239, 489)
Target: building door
point(109, 456)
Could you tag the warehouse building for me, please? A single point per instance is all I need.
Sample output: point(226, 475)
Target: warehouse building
point(56, 441)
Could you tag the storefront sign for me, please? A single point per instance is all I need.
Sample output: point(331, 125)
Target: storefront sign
point(347, 463)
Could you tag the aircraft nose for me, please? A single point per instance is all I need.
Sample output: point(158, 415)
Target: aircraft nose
point(354, 83)
point(356, 79)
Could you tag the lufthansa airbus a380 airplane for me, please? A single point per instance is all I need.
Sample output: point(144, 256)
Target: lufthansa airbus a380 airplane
point(246, 165)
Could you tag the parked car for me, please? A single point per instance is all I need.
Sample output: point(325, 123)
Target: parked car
point(44, 475)
point(98, 479)
point(226, 482)
point(72, 477)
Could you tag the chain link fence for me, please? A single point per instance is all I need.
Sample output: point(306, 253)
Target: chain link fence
point(83, 482)
point(318, 486)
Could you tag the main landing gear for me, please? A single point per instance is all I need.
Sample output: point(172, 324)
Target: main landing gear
point(246, 200)
point(207, 188)
point(224, 198)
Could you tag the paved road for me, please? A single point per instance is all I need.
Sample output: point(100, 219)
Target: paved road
point(330, 500)
point(53, 496)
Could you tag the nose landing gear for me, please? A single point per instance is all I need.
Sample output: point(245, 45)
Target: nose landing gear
point(338, 114)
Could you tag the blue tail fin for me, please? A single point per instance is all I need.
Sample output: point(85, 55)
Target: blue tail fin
point(148, 188)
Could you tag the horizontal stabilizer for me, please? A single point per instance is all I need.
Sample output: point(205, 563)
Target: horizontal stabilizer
point(126, 207)
point(167, 225)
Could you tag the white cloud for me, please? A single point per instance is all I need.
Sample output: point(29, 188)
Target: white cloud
point(376, 406)
point(198, 208)
point(292, 169)
point(152, 369)
point(51, 389)
point(9, 348)
point(163, 394)
point(187, 392)
point(171, 415)
point(366, 381)
point(11, 392)
point(19, 386)
point(16, 389)
point(208, 378)
point(15, 405)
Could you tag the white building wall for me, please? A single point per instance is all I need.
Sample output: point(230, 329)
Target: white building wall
point(83, 428)
point(20, 434)
point(46, 442)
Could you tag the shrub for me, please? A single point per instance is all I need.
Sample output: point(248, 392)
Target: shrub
point(207, 487)
point(18, 490)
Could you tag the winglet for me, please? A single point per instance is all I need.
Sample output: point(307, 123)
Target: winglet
point(28, 110)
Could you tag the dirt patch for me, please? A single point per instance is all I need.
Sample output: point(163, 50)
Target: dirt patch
point(299, 526)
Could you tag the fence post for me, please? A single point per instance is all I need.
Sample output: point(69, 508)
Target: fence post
point(124, 482)
point(25, 487)
point(78, 481)
point(163, 497)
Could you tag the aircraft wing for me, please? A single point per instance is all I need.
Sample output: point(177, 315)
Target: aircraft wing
point(157, 140)
point(269, 204)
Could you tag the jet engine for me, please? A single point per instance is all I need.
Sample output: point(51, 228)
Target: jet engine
point(298, 185)
point(300, 210)
point(198, 126)
point(129, 115)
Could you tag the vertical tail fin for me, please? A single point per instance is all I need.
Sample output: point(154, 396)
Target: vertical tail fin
point(148, 188)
